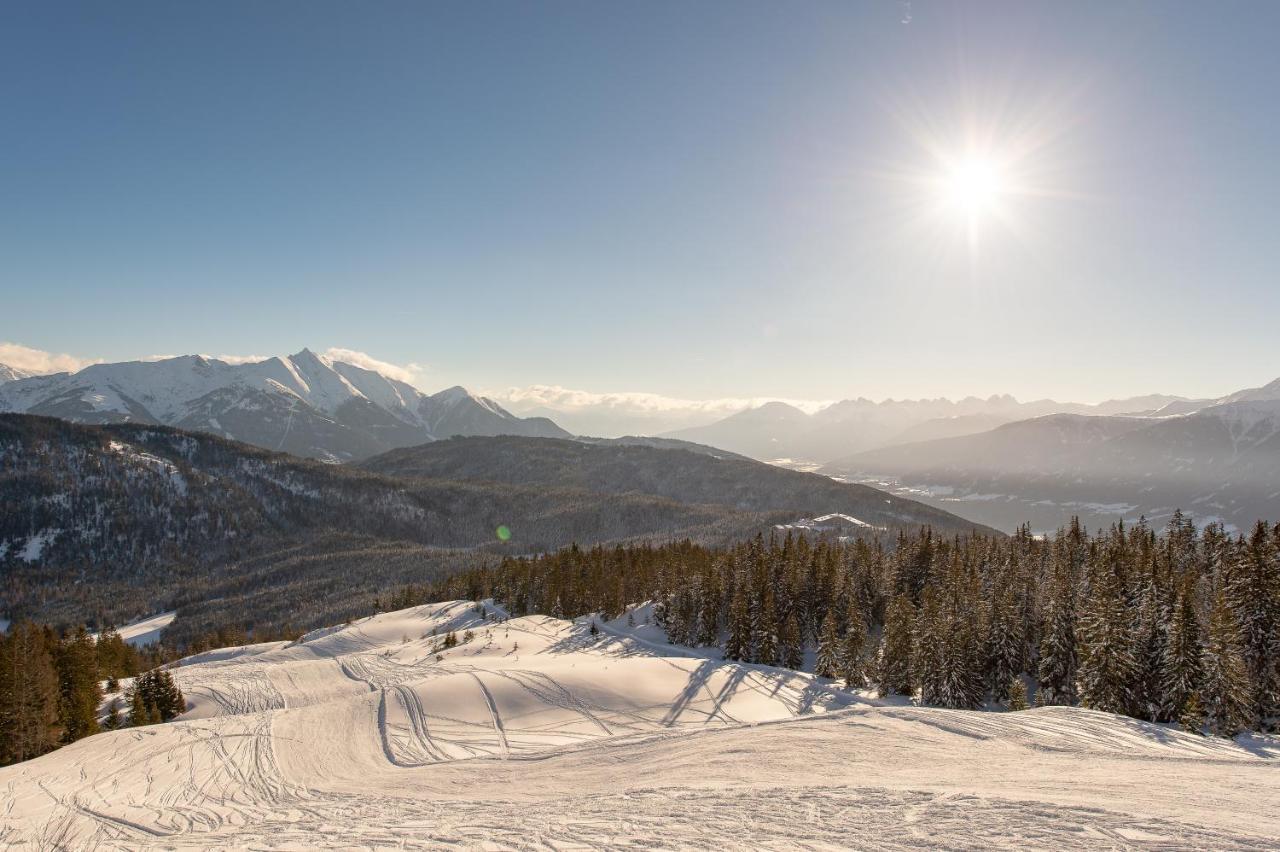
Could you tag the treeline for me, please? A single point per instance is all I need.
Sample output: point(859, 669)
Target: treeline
point(1170, 626)
point(52, 687)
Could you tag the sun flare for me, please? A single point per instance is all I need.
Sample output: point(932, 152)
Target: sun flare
point(973, 185)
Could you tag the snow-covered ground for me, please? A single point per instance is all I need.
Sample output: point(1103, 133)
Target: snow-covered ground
point(146, 630)
point(538, 734)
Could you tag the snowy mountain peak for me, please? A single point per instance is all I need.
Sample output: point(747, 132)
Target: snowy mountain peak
point(11, 374)
point(1266, 392)
point(453, 395)
point(307, 404)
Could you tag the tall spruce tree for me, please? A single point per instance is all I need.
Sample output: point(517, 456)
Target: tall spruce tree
point(1151, 701)
point(1180, 669)
point(1108, 671)
point(1058, 658)
point(931, 638)
point(29, 693)
point(1225, 693)
point(855, 636)
point(77, 663)
point(738, 644)
point(790, 646)
point(894, 672)
point(764, 632)
point(1254, 596)
point(1004, 642)
point(827, 663)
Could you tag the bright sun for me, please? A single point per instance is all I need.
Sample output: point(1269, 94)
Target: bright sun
point(973, 185)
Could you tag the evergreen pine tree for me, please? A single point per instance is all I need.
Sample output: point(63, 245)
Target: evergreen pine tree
point(964, 662)
point(77, 662)
point(1058, 659)
point(894, 664)
point(828, 658)
point(1224, 691)
point(855, 636)
point(1180, 669)
point(765, 639)
point(138, 715)
point(1254, 596)
point(931, 635)
point(1107, 666)
point(29, 693)
point(738, 644)
point(1017, 692)
point(1191, 716)
point(1150, 652)
point(1004, 643)
point(790, 648)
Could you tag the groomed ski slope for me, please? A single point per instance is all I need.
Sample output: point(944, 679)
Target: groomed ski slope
point(537, 734)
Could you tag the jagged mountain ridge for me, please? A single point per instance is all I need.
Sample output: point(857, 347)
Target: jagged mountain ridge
point(305, 404)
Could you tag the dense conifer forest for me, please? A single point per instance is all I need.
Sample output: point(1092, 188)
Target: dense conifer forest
point(1176, 626)
point(52, 687)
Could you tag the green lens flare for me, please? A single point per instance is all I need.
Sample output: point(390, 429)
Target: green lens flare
point(504, 534)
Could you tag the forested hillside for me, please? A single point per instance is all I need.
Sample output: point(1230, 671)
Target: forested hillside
point(693, 477)
point(103, 524)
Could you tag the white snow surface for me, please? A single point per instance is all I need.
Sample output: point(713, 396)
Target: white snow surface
point(36, 544)
point(146, 630)
point(537, 734)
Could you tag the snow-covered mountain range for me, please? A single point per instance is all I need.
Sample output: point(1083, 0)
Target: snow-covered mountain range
point(306, 404)
point(1213, 459)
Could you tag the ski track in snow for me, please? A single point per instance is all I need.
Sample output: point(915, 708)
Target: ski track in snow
point(537, 734)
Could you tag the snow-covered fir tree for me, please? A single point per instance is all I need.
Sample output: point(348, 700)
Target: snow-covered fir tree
point(827, 661)
point(894, 672)
point(1224, 693)
point(1108, 670)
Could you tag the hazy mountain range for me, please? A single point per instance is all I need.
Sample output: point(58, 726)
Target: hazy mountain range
point(778, 430)
point(1215, 460)
point(305, 404)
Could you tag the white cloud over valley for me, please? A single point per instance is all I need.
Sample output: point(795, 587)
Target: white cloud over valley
point(614, 413)
point(38, 361)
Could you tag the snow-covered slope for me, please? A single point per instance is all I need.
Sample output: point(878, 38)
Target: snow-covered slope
point(306, 404)
point(10, 374)
point(535, 733)
point(147, 630)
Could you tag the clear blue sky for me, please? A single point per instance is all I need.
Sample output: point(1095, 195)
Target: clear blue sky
point(695, 199)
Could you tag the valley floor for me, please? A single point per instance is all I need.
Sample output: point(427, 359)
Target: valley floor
point(538, 734)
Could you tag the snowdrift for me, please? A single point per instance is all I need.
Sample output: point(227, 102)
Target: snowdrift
point(537, 731)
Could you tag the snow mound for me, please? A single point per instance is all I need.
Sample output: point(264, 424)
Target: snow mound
point(540, 732)
point(147, 630)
